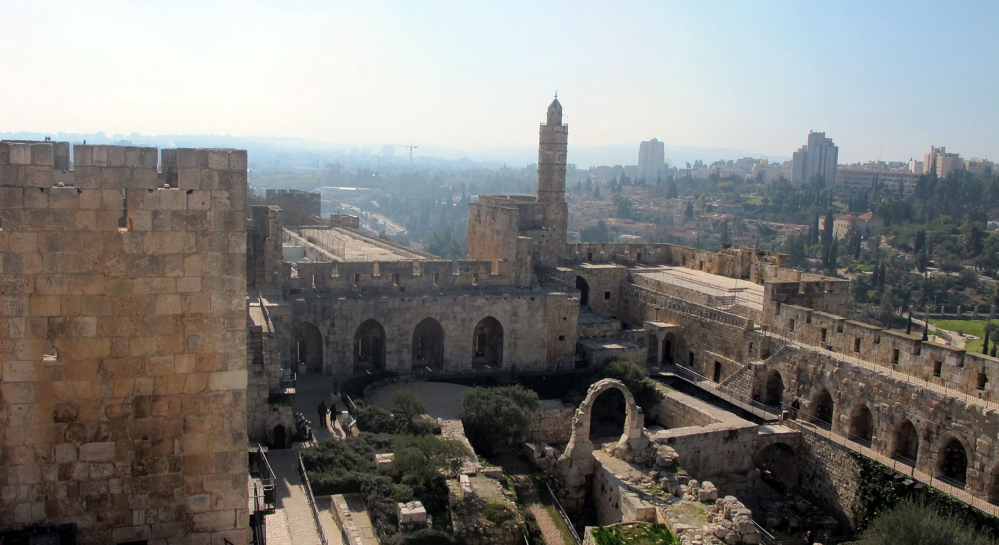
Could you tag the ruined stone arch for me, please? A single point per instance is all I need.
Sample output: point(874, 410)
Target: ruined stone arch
point(369, 347)
point(487, 342)
point(953, 459)
point(306, 346)
point(862, 424)
point(428, 344)
point(905, 443)
point(580, 446)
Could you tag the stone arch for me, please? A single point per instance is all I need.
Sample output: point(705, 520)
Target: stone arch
point(369, 347)
point(584, 291)
point(862, 424)
point(952, 461)
point(487, 342)
point(823, 408)
point(667, 348)
point(428, 344)
point(307, 346)
point(905, 446)
point(780, 462)
point(580, 447)
point(773, 391)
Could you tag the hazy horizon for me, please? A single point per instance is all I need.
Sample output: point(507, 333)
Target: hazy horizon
point(884, 80)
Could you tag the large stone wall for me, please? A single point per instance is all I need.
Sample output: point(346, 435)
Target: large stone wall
point(551, 422)
point(123, 380)
point(830, 474)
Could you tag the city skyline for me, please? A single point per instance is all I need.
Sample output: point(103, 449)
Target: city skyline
point(884, 81)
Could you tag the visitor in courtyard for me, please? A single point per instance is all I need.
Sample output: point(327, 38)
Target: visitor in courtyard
point(322, 413)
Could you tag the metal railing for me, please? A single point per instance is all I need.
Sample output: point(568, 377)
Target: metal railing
point(263, 486)
point(312, 501)
point(756, 408)
point(566, 521)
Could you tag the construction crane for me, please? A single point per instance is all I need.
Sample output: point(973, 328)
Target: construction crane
point(411, 148)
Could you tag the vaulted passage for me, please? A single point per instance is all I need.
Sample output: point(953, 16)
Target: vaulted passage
point(307, 346)
point(369, 347)
point(584, 291)
point(773, 395)
point(906, 445)
point(823, 409)
point(487, 342)
point(953, 463)
point(778, 465)
point(428, 344)
point(862, 425)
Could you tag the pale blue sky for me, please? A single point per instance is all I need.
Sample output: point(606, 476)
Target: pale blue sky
point(891, 76)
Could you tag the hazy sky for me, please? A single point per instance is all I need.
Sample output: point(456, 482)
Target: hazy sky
point(885, 79)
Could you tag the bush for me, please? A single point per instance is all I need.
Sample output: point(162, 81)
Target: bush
point(628, 372)
point(497, 512)
point(912, 522)
point(495, 415)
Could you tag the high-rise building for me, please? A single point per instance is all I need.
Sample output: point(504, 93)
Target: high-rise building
point(818, 156)
point(651, 158)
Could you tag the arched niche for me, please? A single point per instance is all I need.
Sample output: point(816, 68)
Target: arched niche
point(778, 462)
point(307, 346)
point(862, 424)
point(428, 344)
point(369, 347)
point(952, 462)
point(487, 342)
point(822, 409)
point(773, 392)
point(905, 446)
point(584, 291)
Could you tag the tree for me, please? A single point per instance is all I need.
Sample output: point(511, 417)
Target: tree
point(421, 457)
point(407, 406)
point(495, 415)
point(671, 191)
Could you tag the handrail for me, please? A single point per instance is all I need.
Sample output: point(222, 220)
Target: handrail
point(312, 500)
point(563, 515)
point(266, 479)
point(756, 408)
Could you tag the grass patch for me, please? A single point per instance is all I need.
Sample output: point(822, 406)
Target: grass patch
point(635, 534)
point(968, 327)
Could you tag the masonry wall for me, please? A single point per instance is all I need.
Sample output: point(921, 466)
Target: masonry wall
point(829, 474)
point(551, 423)
point(123, 377)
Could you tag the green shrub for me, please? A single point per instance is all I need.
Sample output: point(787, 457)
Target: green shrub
point(495, 415)
point(912, 522)
point(497, 512)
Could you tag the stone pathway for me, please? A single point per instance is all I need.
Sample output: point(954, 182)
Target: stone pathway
point(529, 496)
point(292, 522)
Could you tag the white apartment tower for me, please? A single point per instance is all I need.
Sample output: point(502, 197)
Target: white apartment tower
point(818, 156)
point(651, 159)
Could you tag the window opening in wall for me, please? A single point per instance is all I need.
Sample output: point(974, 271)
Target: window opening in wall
point(395, 279)
point(918, 349)
point(700, 265)
point(589, 256)
point(124, 222)
point(690, 363)
point(877, 339)
point(50, 353)
point(894, 356)
point(839, 327)
point(937, 368)
point(638, 258)
point(475, 279)
point(718, 367)
point(856, 344)
point(561, 337)
point(983, 379)
point(824, 333)
point(607, 295)
point(435, 277)
point(357, 279)
point(790, 324)
point(808, 318)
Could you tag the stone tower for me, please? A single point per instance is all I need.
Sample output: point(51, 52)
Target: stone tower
point(123, 312)
point(552, 149)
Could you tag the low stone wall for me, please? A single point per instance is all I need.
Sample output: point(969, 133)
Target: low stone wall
point(551, 423)
point(615, 501)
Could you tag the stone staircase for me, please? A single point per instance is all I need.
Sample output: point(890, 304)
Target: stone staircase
point(601, 340)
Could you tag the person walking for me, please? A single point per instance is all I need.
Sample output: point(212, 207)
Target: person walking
point(322, 413)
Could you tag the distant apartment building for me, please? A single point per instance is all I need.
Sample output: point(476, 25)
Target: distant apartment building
point(979, 166)
point(942, 163)
point(765, 172)
point(818, 156)
point(915, 167)
point(859, 178)
point(867, 223)
point(651, 159)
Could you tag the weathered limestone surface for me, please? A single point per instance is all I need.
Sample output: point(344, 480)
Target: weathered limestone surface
point(123, 377)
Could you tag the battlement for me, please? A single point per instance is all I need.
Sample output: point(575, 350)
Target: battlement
point(351, 277)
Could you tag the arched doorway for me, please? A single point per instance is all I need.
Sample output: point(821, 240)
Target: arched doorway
point(953, 463)
point(778, 465)
point(823, 409)
point(580, 446)
point(487, 342)
point(862, 425)
point(906, 446)
point(307, 347)
point(584, 291)
point(428, 344)
point(369, 347)
point(667, 349)
point(607, 417)
point(774, 393)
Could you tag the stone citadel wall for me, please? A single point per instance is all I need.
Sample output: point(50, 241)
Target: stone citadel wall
point(123, 377)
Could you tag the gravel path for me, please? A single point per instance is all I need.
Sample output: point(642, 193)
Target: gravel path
point(529, 496)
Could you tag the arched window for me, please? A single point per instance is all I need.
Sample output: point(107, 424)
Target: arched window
point(906, 445)
point(862, 425)
point(953, 463)
point(584, 291)
point(307, 347)
point(487, 342)
point(369, 347)
point(428, 344)
point(823, 409)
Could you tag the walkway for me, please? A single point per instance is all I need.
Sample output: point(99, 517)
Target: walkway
point(292, 522)
point(527, 493)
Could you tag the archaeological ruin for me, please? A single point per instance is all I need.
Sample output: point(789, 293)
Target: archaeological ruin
point(154, 326)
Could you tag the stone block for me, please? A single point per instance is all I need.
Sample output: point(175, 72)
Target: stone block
point(19, 153)
point(97, 452)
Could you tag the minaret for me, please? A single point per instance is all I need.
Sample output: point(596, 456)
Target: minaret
point(552, 155)
point(551, 186)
